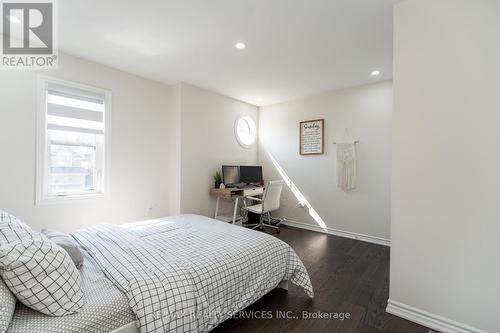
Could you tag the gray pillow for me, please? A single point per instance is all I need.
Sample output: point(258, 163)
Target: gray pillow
point(67, 243)
point(7, 306)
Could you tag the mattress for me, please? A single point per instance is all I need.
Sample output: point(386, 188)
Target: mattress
point(106, 308)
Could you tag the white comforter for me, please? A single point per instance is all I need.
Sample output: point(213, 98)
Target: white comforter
point(189, 273)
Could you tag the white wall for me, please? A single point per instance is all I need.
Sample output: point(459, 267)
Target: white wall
point(174, 145)
point(139, 149)
point(446, 162)
point(207, 142)
point(366, 112)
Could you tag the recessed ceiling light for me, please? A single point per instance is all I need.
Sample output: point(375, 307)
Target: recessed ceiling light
point(375, 73)
point(14, 19)
point(240, 45)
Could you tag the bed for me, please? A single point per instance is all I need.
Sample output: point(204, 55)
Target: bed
point(186, 273)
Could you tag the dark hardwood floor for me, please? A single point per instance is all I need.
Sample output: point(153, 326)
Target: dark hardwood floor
point(348, 276)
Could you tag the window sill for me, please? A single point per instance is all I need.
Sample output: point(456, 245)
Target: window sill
point(72, 198)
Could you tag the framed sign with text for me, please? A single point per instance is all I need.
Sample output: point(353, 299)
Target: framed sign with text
point(311, 137)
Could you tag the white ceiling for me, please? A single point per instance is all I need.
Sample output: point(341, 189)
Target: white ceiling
point(295, 48)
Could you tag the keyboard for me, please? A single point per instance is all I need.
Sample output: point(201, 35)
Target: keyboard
point(246, 186)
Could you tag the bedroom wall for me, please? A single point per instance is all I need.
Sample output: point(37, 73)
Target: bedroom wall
point(139, 153)
point(208, 141)
point(366, 111)
point(174, 143)
point(446, 162)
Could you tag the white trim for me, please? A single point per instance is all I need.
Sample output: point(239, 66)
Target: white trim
point(41, 143)
point(337, 232)
point(41, 124)
point(427, 319)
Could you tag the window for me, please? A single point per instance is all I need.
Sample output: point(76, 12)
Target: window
point(245, 131)
point(73, 141)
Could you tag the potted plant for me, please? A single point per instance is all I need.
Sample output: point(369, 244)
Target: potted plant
point(217, 179)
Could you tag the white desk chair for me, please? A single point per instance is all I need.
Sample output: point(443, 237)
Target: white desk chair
point(270, 202)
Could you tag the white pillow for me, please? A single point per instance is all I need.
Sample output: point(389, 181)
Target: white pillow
point(7, 306)
point(41, 275)
point(12, 229)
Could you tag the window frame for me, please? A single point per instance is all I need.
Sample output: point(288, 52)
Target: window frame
point(42, 147)
point(255, 130)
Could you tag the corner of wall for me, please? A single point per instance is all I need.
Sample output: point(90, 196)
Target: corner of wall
point(174, 144)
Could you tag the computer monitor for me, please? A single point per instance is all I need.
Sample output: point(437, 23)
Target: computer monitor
point(230, 174)
point(251, 174)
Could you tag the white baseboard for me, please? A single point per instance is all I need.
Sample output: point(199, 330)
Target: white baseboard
point(336, 232)
point(428, 319)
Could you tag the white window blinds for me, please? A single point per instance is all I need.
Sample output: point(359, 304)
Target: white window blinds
point(74, 110)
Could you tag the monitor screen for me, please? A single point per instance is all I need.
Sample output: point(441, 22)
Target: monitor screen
point(230, 174)
point(251, 174)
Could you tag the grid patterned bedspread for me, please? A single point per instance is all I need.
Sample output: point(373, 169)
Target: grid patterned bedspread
point(189, 273)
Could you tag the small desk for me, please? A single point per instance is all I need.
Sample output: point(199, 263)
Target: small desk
point(234, 193)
